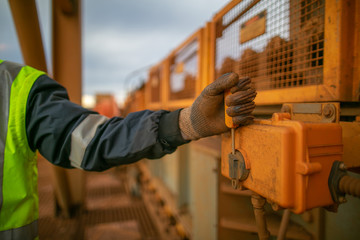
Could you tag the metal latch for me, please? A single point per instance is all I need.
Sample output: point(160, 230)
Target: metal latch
point(237, 169)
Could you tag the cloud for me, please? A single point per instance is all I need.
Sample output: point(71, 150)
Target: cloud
point(128, 49)
point(139, 15)
point(122, 36)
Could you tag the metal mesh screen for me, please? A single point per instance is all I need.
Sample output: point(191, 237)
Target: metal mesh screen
point(155, 84)
point(278, 43)
point(183, 72)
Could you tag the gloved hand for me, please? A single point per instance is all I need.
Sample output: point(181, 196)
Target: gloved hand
point(206, 116)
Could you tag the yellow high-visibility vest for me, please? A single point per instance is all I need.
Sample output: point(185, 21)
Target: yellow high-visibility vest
point(19, 201)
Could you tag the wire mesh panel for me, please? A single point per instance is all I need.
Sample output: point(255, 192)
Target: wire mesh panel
point(183, 72)
point(278, 43)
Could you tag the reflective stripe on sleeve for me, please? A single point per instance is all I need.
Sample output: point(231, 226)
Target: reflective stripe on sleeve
point(27, 232)
point(81, 137)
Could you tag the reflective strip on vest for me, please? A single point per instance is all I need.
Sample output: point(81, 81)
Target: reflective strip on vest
point(27, 232)
point(8, 73)
point(81, 137)
point(19, 208)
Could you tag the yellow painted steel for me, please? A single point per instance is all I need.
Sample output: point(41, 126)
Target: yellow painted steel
point(289, 161)
point(203, 36)
point(206, 58)
point(185, 102)
point(339, 49)
point(341, 58)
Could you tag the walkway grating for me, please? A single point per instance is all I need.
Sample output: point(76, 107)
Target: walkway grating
point(111, 211)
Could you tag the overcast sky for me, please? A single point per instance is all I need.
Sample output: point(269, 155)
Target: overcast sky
point(119, 37)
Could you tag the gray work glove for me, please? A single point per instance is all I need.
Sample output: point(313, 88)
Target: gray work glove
point(206, 116)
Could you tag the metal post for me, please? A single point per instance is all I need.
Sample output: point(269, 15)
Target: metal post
point(67, 68)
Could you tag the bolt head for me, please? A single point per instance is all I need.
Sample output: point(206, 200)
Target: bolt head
point(286, 109)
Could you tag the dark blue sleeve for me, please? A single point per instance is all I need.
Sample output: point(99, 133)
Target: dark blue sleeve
point(51, 119)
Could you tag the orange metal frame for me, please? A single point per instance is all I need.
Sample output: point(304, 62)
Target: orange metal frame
point(341, 79)
point(173, 104)
point(207, 56)
point(149, 104)
point(203, 78)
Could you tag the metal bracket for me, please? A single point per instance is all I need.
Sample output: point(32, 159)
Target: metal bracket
point(326, 112)
point(237, 169)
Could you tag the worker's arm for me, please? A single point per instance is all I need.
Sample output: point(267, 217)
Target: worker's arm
point(70, 136)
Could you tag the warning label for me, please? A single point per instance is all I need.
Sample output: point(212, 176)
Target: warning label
point(253, 28)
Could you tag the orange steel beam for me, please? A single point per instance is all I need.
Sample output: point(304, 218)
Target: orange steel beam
point(67, 65)
point(28, 30)
point(66, 41)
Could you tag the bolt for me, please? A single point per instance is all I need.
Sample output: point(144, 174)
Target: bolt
point(286, 109)
point(342, 166)
point(328, 111)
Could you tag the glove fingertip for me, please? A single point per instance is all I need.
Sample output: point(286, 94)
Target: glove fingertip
point(243, 120)
point(243, 85)
point(232, 80)
point(224, 82)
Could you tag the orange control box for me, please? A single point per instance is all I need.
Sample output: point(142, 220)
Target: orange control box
point(289, 161)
